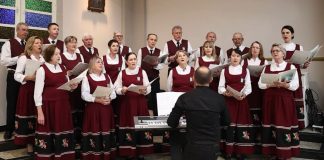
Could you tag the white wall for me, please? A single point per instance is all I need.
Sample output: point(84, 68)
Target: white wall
point(257, 19)
point(75, 19)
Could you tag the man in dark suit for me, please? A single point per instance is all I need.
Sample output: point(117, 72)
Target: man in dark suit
point(205, 111)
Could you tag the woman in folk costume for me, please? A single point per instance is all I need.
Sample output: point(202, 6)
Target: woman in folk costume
point(54, 129)
point(238, 137)
point(180, 80)
point(287, 33)
point(209, 57)
point(132, 104)
point(255, 58)
point(70, 59)
point(280, 135)
point(98, 131)
point(25, 111)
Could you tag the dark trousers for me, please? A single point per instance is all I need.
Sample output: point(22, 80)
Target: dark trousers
point(200, 151)
point(152, 102)
point(12, 95)
point(178, 142)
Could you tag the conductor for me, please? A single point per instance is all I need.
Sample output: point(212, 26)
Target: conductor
point(205, 110)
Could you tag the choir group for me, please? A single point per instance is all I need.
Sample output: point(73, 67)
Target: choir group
point(52, 122)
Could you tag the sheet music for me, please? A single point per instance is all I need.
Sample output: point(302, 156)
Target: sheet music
point(166, 101)
point(83, 74)
point(255, 70)
point(314, 52)
point(79, 68)
point(236, 94)
point(216, 69)
point(300, 57)
point(163, 58)
point(32, 66)
point(66, 86)
point(287, 76)
point(267, 78)
point(137, 88)
point(102, 91)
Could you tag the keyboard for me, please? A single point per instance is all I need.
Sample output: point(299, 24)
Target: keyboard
point(155, 122)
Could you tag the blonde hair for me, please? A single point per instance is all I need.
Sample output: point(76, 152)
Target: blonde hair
point(29, 45)
point(210, 44)
point(92, 62)
point(181, 51)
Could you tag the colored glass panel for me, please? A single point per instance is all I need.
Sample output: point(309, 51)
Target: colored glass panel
point(38, 20)
point(10, 3)
point(7, 16)
point(7, 32)
point(39, 5)
point(40, 33)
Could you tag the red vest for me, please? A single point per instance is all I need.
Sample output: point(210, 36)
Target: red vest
point(124, 51)
point(16, 50)
point(113, 69)
point(151, 72)
point(237, 82)
point(59, 44)
point(290, 53)
point(86, 55)
point(172, 48)
point(182, 83)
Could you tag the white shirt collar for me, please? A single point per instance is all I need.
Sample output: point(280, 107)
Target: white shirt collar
point(50, 40)
point(175, 41)
point(150, 48)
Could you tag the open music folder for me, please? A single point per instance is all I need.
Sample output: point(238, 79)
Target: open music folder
point(32, 66)
point(102, 91)
point(216, 69)
point(282, 76)
point(137, 88)
point(236, 94)
point(255, 71)
point(79, 68)
point(301, 57)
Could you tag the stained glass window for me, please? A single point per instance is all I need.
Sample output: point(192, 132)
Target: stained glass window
point(39, 5)
point(10, 3)
point(38, 20)
point(7, 16)
point(40, 33)
point(7, 32)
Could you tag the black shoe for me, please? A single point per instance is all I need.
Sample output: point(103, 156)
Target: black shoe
point(7, 135)
point(140, 158)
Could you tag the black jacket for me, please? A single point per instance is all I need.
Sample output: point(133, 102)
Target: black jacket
point(205, 111)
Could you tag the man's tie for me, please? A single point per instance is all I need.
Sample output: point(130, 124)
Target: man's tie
point(90, 50)
point(22, 42)
point(53, 42)
point(151, 51)
point(178, 44)
point(119, 50)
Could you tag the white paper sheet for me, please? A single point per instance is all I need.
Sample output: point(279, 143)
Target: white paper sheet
point(32, 66)
point(166, 101)
point(236, 94)
point(102, 91)
point(255, 71)
point(66, 86)
point(79, 68)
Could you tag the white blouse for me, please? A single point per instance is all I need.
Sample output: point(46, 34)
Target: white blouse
point(85, 87)
point(119, 83)
point(293, 84)
point(235, 70)
point(71, 57)
point(254, 62)
point(222, 56)
point(6, 58)
point(291, 46)
point(40, 81)
point(180, 71)
point(21, 66)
